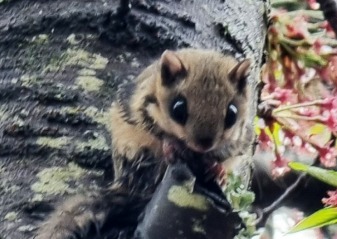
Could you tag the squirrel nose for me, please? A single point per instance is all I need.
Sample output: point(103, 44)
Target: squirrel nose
point(205, 142)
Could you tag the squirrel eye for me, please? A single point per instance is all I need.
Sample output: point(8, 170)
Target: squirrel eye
point(231, 116)
point(178, 110)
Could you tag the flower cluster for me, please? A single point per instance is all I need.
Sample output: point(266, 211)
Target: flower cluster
point(297, 113)
point(331, 200)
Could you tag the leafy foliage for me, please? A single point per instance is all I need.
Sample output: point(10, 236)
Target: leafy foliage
point(325, 216)
point(241, 200)
point(327, 176)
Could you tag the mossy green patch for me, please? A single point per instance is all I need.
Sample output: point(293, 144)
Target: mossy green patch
point(89, 83)
point(55, 180)
point(57, 143)
point(183, 198)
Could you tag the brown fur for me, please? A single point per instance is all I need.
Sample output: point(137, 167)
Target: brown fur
point(208, 90)
point(141, 123)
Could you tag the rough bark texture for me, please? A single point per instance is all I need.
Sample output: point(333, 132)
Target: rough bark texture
point(60, 64)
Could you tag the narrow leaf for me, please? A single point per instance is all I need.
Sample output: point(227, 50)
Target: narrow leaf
point(327, 176)
point(298, 166)
point(323, 217)
point(277, 134)
point(257, 128)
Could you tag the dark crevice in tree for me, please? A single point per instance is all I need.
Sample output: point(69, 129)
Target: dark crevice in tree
point(329, 8)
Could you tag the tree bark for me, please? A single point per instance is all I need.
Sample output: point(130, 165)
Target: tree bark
point(60, 64)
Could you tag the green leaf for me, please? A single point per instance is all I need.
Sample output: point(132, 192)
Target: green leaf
point(256, 126)
point(311, 59)
point(276, 129)
point(298, 166)
point(327, 176)
point(323, 217)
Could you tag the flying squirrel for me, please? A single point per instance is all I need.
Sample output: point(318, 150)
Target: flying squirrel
point(189, 102)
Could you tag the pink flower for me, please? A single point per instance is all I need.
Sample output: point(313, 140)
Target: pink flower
point(317, 46)
point(279, 165)
point(309, 112)
point(264, 140)
point(288, 134)
point(297, 28)
point(329, 72)
point(288, 137)
point(330, 119)
point(268, 76)
point(330, 103)
point(280, 161)
point(331, 200)
point(283, 95)
point(313, 4)
point(327, 156)
point(330, 32)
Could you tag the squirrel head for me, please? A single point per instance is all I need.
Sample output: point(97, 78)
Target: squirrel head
point(202, 97)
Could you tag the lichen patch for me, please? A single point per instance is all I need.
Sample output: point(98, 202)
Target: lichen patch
point(77, 57)
point(182, 198)
point(87, 72)
point(40, 39)
point(11, 216)
point(55, 180)
point(89, 83)
point(3, 114)
point(97, 143)
point(84, 58)
point(98, 116)
point(198, 228)
point(28, 80)
point(71, 39)
point(57, 143)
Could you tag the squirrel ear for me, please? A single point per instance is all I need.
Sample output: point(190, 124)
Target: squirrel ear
point(171, 67)
point(238, 74)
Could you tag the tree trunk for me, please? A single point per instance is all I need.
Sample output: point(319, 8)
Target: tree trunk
point(60, 64)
